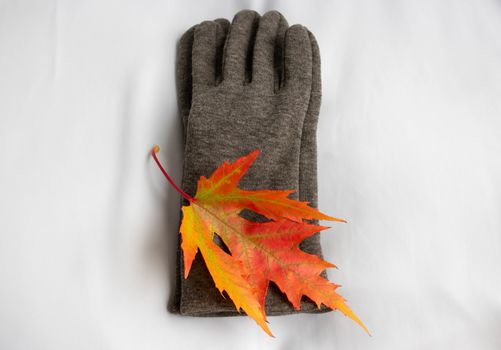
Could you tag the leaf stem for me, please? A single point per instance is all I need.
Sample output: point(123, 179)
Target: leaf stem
point(154, 152)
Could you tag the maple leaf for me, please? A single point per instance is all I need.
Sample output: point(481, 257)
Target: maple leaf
point(260, 253)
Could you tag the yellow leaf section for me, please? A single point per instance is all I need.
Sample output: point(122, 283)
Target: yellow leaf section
point(220, 190)
point(197, 231)
point(322, 291)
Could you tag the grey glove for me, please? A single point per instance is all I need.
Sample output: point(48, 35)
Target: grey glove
point(254, 84)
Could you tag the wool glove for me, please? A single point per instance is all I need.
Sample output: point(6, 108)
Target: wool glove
point(254, 84)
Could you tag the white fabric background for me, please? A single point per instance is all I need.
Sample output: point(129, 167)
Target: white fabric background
point(409, 153)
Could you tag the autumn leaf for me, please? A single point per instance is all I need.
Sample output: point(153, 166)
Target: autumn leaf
point(259, 252)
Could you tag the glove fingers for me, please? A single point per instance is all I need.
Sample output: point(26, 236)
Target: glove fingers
point(279, 54)
point(269, 42)
point(183, 73)
point(222, 33)
point(298, 60)
point(239, 46)
point(224, 23)
point(204, 54)
point(316, 83)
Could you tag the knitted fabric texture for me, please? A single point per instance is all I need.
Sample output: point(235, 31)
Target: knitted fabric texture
point(252, 84)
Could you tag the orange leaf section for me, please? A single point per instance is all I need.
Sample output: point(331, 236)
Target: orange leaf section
point(260, 252)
